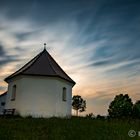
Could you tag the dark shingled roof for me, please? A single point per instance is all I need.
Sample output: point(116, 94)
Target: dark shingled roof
point(42, 65)
point(3, 94)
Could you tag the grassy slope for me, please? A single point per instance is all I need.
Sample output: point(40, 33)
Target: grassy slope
point(66, 129)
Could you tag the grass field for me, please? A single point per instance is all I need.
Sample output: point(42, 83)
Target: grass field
point(66, 129)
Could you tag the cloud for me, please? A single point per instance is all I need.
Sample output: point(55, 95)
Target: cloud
point(4, 58)
point(2, 52)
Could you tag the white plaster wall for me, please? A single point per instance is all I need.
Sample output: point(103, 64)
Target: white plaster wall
point(63, 107)
point(16, 103)
point(2, 99)
point(40, 96)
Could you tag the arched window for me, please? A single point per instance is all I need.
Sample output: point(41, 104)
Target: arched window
point(13, 93)
point(2, 103)
point(64, 94)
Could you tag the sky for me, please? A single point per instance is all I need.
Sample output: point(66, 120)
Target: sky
point(96, 42)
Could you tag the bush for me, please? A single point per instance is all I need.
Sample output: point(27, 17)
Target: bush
point(90, 115)
point(100, 117)
point(120, 107)
point(136, 110)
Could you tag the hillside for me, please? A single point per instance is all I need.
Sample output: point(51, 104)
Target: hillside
point(66, 129)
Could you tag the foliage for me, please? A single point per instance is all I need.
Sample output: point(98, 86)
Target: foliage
point(90, 115)
point(136, 110)
point(120, 107)
point(76, 128)
point(100, 117)
point(78, 104)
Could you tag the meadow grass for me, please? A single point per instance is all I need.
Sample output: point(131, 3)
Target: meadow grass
point(75, 128)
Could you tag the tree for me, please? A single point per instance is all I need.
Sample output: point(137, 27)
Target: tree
point(121, 106)
point(136, 110)
point(78, 104)
point(100, 117)
point(90, 115)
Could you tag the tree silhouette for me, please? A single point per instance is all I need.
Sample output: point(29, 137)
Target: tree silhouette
point(136, 110)
point(121, 106)
point(78, 104)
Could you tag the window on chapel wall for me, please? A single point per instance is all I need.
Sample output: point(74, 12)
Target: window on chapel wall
point(2, 103)
point(13, 93)
point(64, 94)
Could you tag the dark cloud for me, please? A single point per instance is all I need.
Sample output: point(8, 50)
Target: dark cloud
point(91, 16)
point(23, 36)
point(131, 69)
point(5, 58)
point(117, 54)
point(102, 63)
point(8, 59)
point(2, 52)
point(116, 21)
point(42, 11)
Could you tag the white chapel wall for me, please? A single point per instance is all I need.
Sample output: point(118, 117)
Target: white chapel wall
point(40, 96)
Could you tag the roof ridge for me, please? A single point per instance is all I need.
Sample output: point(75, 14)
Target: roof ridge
point(42, 64)
point(51, 65)
point(58, 66)
point(36, 57)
